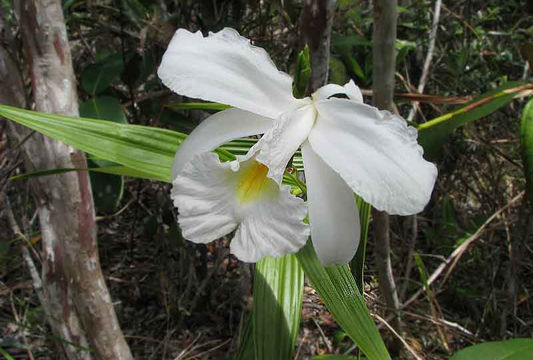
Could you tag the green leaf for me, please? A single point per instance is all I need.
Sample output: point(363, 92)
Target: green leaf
point(246, 345)
point(354, 66)
point(116, 170)
point(302, 74)
point(335, 357)
point(278, 287)
point(357, 264)
point(107, 188)
point(198, 106)
point(515, 349)
point(423, 275)
point(146, 149)
point(338, 290)
point(433, 134)
point(403, 47)
point(96, 77)
point(103, 108)
point(6, 355)
point(338, 74)
point(526, 144)
point(143, 151)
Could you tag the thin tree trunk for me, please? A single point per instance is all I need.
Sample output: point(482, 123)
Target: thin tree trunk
point(384, 37)
point(315, 29)
point(57, 306)
point(80, 309)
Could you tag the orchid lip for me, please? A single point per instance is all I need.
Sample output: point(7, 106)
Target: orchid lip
point(253, 183)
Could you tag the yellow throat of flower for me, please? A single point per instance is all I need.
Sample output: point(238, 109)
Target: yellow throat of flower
point(253, 183)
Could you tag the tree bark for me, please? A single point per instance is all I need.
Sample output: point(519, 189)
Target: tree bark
point(315, 29)
point(383, 51)
point(80, 308)
point(58, 308)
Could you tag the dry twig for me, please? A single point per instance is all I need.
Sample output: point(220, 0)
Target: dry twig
point(402, 340)
point(458, 253)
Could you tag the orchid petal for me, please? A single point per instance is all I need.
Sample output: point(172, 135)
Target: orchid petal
point(333, 213)
point(216, 130)
point(204, 204)
point(376, 153)
point(213, 201)
point(224, 67)
point(280, 143)
point(350, 89)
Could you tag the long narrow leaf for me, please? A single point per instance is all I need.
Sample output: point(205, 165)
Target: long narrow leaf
point(139, 147)
point(338, 290)
point(198, 106)
point(246, 345)
point(6, 355)
point(357, 265)
point(278, 287)
point(146, 149)
point(434, 133)
point(115, 170)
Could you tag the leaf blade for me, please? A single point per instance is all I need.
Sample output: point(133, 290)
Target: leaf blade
point(150, 150)
point(432, 134)
point(514, 349)
point(338, 290)
point(278, 288)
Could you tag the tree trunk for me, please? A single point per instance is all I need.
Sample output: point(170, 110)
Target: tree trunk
point(315, 29)
point(79, 305)
point(383, 51)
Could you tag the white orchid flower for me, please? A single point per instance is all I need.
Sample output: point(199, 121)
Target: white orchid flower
point(347, 147)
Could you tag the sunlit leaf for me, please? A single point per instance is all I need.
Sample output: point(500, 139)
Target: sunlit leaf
point(115, 170)
point(278, 287)
point(107, 189)
point(150, 150)
point(143, 151)
point(6, 355)
point(433, 134)
point(515, 349)
point(337, 288)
